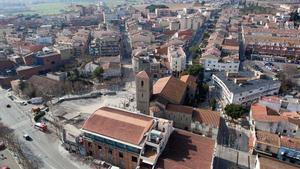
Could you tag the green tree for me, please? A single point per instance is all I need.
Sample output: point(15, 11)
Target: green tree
point(235, 111)
point(213, 103)
point(195, 70)
point(98, 73)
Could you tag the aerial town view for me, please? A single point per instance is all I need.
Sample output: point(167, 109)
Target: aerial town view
point(149, 84)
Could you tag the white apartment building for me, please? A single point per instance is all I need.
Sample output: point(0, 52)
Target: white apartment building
point(243, 87)
point(191, 21)
point(215, 63)
point(177, 58)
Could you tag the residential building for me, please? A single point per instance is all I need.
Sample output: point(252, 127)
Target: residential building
point(267, 119)
point(243, 87)
point(229, 64)
point(145, 59)
point(140, 37)
point(177, 58)
point(139, 145)
point(162, 12)
point(105, 43)
point(283, 148)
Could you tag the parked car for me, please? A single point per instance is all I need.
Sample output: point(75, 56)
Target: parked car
point(27, 137)
point(8, 106)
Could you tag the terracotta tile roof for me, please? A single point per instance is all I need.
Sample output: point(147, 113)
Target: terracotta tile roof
point(230, 42)
point(271, 163)
point(171, 89)
point(292, 143)
point(186, 150)
point(118, 124)
point(190, 80)
point(261, 113)
point(180, 108)
point(267, 138)
point(143, 74)
point(208, 117)
point(265, 114)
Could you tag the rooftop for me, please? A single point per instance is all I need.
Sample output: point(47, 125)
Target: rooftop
point(186, 150)
point(271, 163)
point(171, 89)
point(207, 117)
point(266, 114)
point(268, 138)
point(180, 108)
point(119, 124)
point(251, 84)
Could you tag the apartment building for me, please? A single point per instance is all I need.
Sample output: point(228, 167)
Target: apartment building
point(105, 43)
point(125, 139)
point(137, 37)
point(284, 122)
point(271, 44)
point(145, 59)
point(177, 58)
point(283, 148)
point(243, 87)
point(228, 64)
point(194, 21)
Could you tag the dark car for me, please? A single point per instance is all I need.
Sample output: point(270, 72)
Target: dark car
point(27, 137)
point(8, 106)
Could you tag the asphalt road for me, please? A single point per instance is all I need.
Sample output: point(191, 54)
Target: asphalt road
point(44, 147)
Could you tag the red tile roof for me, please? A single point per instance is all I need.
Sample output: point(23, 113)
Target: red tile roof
point(143, 74)
point(118, 124)
point(207, 117)
point(180, 108)
point(171, 89)
point(186, 150)
point(267, 138)
point(190, 80)
point(271, 163)
point(292, 143)
point(265, 114)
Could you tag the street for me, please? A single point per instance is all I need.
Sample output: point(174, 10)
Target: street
point(44, 147)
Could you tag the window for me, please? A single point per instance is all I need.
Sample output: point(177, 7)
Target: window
point(134, 159)
point(99, 147)
point(89, 144)
point(284, 131)
point(268, 148)
point(142, 83)
point(110, 151)
point(120, 155)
